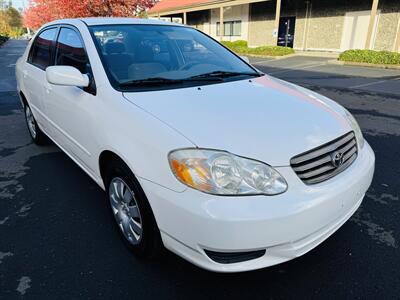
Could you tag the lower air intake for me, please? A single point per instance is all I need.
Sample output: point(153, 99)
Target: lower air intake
point(234, 257)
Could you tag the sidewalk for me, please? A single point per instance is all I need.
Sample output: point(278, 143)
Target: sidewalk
point(322, 54)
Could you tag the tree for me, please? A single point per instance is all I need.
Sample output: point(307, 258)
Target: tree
point(14, 18)
point(43, 11)
point(10, 22)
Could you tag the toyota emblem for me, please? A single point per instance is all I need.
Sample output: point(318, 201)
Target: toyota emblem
point(337, 158)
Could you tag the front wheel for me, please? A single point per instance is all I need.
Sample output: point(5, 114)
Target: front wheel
point(132, 212)
point(37, 135)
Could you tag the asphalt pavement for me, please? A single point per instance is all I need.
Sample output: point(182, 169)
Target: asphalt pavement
point(57, 240)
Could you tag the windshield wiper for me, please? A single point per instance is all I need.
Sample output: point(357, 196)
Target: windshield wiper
point(150, 81)
point(224, 74)
point(154, 81)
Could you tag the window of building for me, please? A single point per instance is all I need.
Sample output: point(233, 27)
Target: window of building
point(228, 28)
point(41, 49)
point(70, 51)
point(237, 28)
point(231, 28)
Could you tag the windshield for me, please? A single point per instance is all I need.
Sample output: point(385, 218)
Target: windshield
point(143, 57)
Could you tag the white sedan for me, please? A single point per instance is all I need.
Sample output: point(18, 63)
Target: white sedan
point(197, 150)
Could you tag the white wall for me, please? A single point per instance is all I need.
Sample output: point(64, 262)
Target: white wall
point(355, 30)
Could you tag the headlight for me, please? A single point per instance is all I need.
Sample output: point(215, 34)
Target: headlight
point(356, 128)
point(222, 173)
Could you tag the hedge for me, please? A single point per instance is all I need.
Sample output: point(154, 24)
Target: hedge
point(3, 39)
point(371, 56)
point(241, 47)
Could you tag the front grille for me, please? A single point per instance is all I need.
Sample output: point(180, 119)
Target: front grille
point(326, 161)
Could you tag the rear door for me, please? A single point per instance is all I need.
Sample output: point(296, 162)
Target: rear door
point(70, 109)
point(40, 57)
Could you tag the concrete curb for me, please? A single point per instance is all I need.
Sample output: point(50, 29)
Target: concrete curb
point(333, 55)
point(269, 57)
point(359, 64)
point(310, 54)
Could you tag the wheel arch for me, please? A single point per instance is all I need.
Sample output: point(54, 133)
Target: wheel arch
point(23, 99)
point(105, 158)
point(108, 156)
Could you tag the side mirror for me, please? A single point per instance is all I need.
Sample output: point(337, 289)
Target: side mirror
point(66, 75)
point(245, 58)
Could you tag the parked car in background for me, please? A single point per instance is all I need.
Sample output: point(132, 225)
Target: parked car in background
point(27, 36)
point(197, 151)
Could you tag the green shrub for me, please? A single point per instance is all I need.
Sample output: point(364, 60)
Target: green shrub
point(241, 47)
point(15, 32)
point(371, 56)
point(239, 43)
point(10, 23)
point(271, 50)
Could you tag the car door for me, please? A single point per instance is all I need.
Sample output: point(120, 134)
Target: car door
point(34, 74)
point(70, 109)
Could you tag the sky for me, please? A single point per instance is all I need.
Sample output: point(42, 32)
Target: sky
point(20, 3)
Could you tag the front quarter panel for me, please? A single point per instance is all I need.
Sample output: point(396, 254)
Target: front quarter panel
point(141, 140)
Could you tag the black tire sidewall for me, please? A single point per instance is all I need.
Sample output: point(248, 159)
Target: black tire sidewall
point(40, 138)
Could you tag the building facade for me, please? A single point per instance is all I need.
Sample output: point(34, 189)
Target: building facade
point(320, 25)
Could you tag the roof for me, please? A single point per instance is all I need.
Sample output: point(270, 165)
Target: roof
point(111, 20)
point(165, 5)
point(115, 21)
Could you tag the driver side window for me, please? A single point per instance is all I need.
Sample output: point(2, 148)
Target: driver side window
point(70, 51)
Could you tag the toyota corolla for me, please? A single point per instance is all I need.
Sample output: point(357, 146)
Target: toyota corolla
point(196, 149)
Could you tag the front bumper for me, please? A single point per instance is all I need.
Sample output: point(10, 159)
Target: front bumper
point(286, 225)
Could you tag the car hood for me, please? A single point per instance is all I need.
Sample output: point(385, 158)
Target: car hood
point(264, 118)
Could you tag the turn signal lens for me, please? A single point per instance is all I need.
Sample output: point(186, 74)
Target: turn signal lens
point(222, 173)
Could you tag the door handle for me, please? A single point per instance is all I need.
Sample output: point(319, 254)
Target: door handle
point(25, 73)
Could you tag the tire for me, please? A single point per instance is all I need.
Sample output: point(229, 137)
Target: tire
point(37, 135)
point(120, 181)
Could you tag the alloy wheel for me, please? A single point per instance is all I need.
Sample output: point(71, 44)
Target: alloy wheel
point(125, 210)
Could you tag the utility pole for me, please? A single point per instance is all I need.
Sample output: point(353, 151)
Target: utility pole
point(276, 23)
point(396, 46)
point(221, 24)
point(371, 25)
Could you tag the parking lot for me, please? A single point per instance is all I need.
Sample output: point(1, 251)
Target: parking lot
point(57, 240)
point(316, 71)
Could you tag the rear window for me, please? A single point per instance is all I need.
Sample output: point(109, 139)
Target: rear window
point(41, 48)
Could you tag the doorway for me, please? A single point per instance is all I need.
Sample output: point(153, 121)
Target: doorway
point(286, 31)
